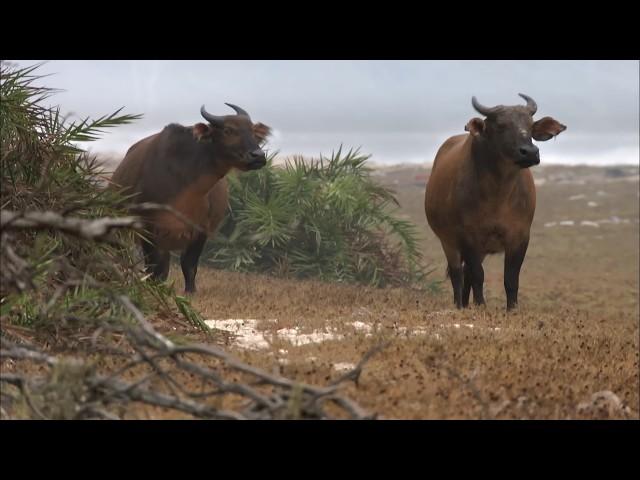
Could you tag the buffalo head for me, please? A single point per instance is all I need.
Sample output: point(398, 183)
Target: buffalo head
point(509, 130)
point(237, 138)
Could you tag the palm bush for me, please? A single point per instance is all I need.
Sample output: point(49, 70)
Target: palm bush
point(324, 218)
point(71, 281)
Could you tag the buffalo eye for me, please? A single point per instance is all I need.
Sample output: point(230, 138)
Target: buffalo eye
point(228, 131)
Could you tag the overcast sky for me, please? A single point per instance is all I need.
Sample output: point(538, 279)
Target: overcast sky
point(398, 111)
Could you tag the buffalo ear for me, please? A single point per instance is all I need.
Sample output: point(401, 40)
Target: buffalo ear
point(261, 132)
point(475, 126)
point(547, 128)
point(202, 132)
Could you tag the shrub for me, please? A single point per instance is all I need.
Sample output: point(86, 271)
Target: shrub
point(66, 280)
point(324, 218)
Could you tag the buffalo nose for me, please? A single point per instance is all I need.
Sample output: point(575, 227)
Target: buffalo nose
point(528, 151)
point(257, 159)
point(257, 155)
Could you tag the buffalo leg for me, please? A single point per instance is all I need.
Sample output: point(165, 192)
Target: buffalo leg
point(466, 285)
point(149, 251)
point(477, 282)
point(454, 269)
point(473, 278)
point(455, 273)
point(513, 259)
point(156, 262)
point(189, 262)
point(162, 268)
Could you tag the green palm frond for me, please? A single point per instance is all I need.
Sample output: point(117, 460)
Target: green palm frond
point(322, 218)
point(43, 168)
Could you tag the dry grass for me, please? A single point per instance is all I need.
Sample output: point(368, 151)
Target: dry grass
point(576, 333)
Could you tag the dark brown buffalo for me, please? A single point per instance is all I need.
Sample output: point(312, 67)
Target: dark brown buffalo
point(184, 167)
point(480, 197)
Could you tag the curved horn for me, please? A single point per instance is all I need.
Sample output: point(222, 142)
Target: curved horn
point(239, 111)
point(531, 104)
point(214, 119)
point(486, 111)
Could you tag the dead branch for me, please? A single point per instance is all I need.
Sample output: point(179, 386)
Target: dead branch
point(469, 384)
point(137, 364)
point(354, 374)
point(266, 396)
point(15, 270)
point(150, 206)
point(88, 229)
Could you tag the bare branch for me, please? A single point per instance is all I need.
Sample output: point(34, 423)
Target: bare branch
point(88, 229)
point(281, 398)
point(355, 373)
point(15, 270)
point(468, 383)
point(134, 355)
point(150, 206)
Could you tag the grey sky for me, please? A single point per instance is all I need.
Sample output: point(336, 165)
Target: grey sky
point(398, 111)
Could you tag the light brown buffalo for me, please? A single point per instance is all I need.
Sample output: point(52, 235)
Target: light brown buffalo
point(480, 198)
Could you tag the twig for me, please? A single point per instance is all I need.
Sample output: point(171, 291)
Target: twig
point(22, 384)
point(469, 384)
point(355, 373)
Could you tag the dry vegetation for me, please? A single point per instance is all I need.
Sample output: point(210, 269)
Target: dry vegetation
point(571, 351)
point(75, 343)
point(575, 336)
point(284, 348)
